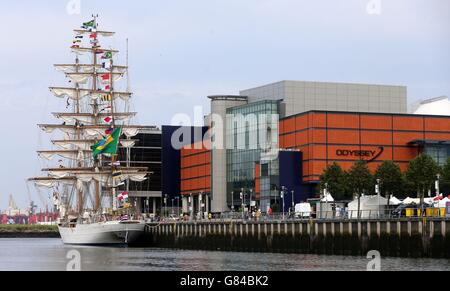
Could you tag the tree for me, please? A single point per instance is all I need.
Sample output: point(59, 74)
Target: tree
point(422, 173)
point(360, 180)
point(334, 179)
point(391, 179)
point(446, 177)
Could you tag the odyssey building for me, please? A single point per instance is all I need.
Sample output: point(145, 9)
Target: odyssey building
point(282, 136)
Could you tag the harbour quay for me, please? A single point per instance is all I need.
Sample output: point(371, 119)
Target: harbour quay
point(417, 237)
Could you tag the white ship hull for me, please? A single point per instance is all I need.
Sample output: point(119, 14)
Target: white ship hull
point(109, 233)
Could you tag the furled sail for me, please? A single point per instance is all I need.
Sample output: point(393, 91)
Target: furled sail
point(79, 144)
point(67, 154)
point(83, 78)
point(86, 144)
point(91, 130)
point(128, 143)
point(80, 50)
point(71, 93)
point(73, 68)
point(49, 182)
point(88, 118)
point(137, 177)
point(77, 94)
point(101, 33)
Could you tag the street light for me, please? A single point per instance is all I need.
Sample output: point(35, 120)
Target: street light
point(165, 205)
point(173, 212)
point(178, 205)
point(191, 207)
point(207, 206)
point(200, 202)
point(282, 197)
point(251, 201)
point(232, 202)
point(293, 201)
point(377, 190)
point(242, 202)
point(438, 192)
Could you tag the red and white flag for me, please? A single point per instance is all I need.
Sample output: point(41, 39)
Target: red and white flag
point(108, 119)
point(106, 77)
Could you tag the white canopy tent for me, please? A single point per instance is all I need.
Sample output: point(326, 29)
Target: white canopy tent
point(395, 201)
point(443, 202)
point(370, 207)
point(328, 198)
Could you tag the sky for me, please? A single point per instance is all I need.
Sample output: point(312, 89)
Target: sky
point(182, 51)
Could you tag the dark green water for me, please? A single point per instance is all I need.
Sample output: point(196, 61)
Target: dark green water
point(50, 254)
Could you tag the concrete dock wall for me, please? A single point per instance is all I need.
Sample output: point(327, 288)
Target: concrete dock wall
point(405, 238)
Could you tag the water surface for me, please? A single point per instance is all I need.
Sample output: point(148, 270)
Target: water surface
point(50, 255)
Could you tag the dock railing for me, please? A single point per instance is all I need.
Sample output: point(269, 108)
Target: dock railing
point(351, 215)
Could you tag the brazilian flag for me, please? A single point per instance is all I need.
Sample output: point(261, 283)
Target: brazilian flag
point(90, 24)
point(107, 55)
point(108, 145)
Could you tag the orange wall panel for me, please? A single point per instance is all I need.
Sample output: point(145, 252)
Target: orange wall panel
point(403, 138)
point(373, 166)
point(318, 167)
point(301, 122)
point(376, 122)
point(301, 137)
point(408, 123)
point(289, 140)
point(318, 119)
point(318, 136)
point(282, 143)
point(319, 152)
point(405, 154)
point(343, 136)
point(307, 155)
point(305, 168)
point(289, 125)
point(437, 124)
point(437, 136)
point(376, 137)
point(343, 120)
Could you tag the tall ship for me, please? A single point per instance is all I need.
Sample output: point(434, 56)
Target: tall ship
point(87, 176)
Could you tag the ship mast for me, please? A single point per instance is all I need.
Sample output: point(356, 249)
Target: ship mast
point(78, 135)
point(94, 88)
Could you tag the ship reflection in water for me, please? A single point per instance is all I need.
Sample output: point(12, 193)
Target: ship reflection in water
point(51, 254)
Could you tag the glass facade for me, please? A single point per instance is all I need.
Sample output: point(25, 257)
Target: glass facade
point(146, 153)
point(252, 130)
point(440, 153)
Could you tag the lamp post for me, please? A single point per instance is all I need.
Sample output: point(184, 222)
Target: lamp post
point(178, 205)
point(293, 201)
point(251, 200)
point(232, 202)
point(191, 207)
point(438, 192)
point(282, 197)
point(165, 205)
point(200, 202)
point(172, 210)
point(377, 190)
point(242, 203)
point(207, 206)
